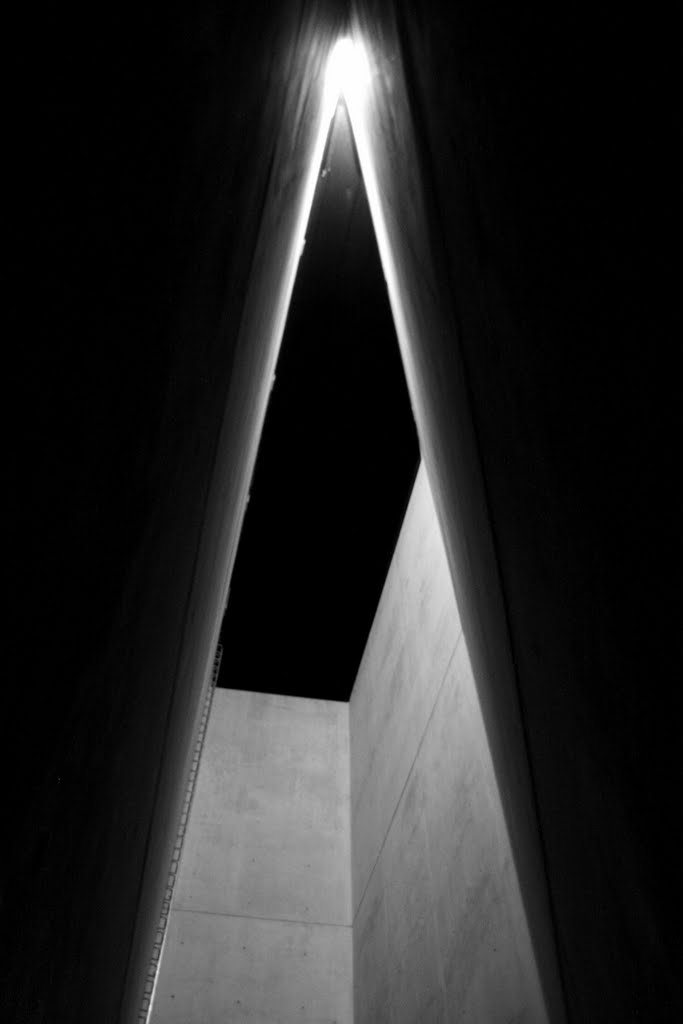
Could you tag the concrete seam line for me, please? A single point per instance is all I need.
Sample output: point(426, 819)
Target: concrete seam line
point(408, 774)
point(257, 917)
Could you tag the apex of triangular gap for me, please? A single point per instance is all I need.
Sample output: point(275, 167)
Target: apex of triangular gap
point(336, 461)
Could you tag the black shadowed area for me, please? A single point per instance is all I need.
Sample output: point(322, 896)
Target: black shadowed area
point(336, 462)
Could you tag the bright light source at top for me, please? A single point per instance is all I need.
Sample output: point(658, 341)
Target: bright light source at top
point(348, 72)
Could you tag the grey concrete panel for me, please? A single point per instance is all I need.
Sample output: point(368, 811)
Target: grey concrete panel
point(411, 902)
point(432, 620)
point(371, 975)
point(269, 830)
point(224, 968)
point(440, 933)
point(260, 925)
point(410, 644)
point(488, 965)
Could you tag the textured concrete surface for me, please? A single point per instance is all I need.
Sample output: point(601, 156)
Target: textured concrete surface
point(269, 832)
point(161, 170)
point(437, 375)
point(547, 425)
point(220, 968)
point(524, 208)
point(413, 636)
point(440, 932)
point(261, 920)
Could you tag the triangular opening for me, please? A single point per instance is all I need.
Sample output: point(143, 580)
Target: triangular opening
point(278, 911)
point(336, 462)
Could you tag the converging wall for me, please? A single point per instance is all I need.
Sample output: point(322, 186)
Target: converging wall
point(260, 923)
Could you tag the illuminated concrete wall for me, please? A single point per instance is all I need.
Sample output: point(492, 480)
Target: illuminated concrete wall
point(264, 922)
point(439, 929)
point(260, 924)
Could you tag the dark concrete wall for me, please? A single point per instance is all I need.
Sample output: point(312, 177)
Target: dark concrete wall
point(533, 224)
point(438, 385)
point(145, 153)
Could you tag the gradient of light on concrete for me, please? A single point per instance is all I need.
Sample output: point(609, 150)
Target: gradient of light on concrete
point(400, 215)
point(260, 927)
point(416, 318)
point(395, 792)
point(439, 931)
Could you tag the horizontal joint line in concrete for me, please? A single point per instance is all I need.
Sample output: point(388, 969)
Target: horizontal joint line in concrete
point(409, 773)
point(256, 917)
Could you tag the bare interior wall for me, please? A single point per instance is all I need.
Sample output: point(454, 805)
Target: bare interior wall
point(439, 928)
point(320, 827)
point(441, 397)
point(142, 160)
point(260, 925)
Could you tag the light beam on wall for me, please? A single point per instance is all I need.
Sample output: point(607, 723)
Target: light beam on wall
point(348, 76)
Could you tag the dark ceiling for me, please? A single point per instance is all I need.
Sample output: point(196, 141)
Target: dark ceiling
point(336, 463)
